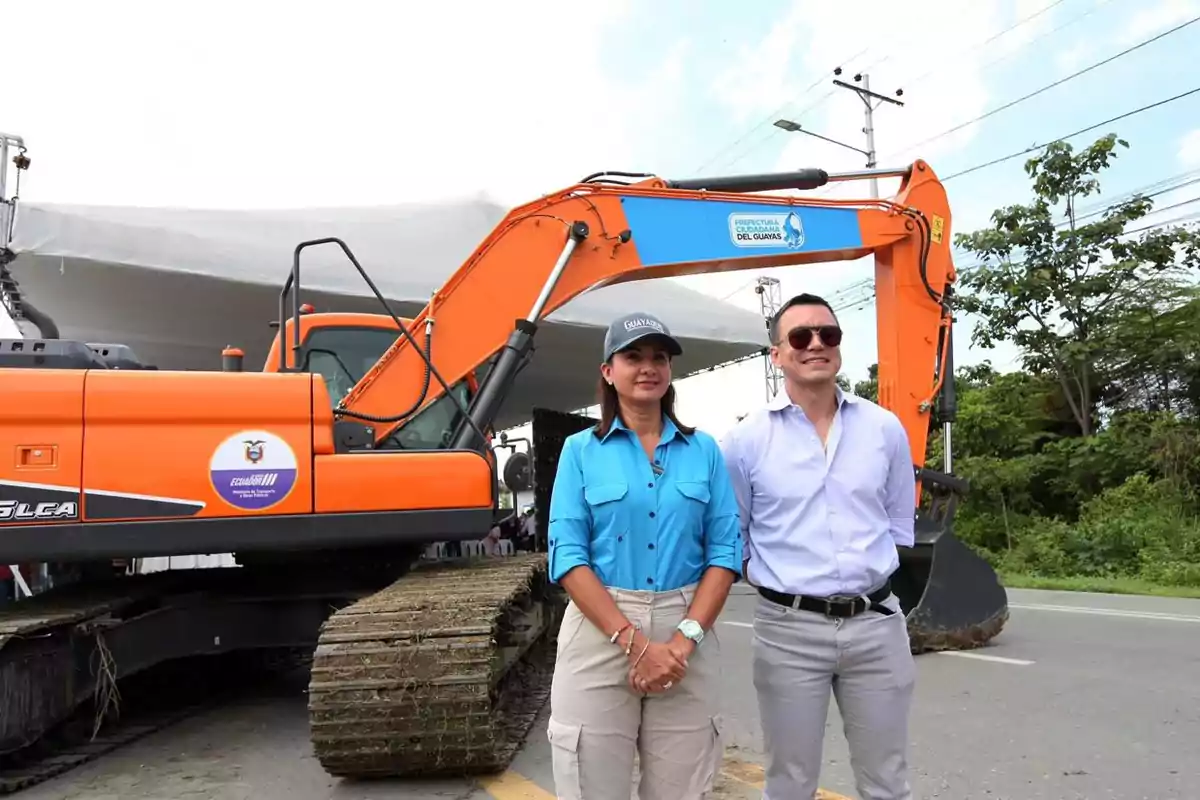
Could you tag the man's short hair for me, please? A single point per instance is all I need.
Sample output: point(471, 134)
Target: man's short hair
point(803, 299)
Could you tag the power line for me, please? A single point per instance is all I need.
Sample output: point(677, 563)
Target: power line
point(1153, 226)
point(1050, 86)
point(940, 68)
point(930, 73)
point(1073, 134)
point(776, 112)
point(1071, 21)
point(1173, 221)
point(808, 109)
point(1171, 183)
point(870, 103)
point(1127, 197)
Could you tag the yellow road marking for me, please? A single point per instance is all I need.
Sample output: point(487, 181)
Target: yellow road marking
point(751, 774)
point(511, 786)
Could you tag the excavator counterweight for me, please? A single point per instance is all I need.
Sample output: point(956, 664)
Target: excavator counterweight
point(358, 465)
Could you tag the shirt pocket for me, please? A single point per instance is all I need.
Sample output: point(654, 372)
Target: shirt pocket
point(604, 501)
point(610, 517)
point(692, 502)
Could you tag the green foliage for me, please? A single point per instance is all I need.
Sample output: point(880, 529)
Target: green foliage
point(1083, 300)
point(1086, 463)
point(870, 387)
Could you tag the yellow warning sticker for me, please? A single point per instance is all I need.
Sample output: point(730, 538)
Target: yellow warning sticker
point(937, 229)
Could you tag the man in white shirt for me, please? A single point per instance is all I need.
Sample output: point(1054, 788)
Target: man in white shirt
point(826, 490)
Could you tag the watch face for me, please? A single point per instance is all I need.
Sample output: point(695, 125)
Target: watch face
point(690, 628)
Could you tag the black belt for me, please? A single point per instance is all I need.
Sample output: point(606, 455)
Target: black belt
point(833, 606)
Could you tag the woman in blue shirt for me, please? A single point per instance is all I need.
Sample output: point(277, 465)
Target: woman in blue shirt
point(644, 538)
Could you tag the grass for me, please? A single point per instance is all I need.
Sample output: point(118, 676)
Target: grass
point(1105, 585)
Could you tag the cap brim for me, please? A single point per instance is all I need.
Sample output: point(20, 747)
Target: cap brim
point(673, 346)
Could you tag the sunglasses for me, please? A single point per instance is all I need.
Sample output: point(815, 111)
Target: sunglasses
point(801, 338)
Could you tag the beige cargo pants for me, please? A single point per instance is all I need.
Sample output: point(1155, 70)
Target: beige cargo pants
point(598, 723)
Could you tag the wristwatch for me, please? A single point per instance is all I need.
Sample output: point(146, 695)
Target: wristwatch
point(692, 630)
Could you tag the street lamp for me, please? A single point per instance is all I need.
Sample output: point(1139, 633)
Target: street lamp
point(794, 127)
point(868, 97)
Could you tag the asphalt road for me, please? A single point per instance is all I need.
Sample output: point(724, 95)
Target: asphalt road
point(1083, 697)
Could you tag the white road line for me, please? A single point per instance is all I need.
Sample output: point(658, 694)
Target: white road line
point(1107, 612)
point(978, 656)
point(1019, 662)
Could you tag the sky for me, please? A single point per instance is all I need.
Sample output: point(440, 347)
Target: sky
point(287, 104)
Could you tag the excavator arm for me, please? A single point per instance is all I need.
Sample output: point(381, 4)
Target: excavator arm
point(601, 232)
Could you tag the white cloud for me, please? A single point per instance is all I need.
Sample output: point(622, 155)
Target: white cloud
point(1146, 22)
point(241, 105)
point(766, 73)
point(1071, 59)
point(937, 58)
point(1189, 149)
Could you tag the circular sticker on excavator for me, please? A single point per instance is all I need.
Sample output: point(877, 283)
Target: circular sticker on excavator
point(253, 470)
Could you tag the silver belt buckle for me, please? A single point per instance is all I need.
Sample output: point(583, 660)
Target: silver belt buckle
point(844, 598)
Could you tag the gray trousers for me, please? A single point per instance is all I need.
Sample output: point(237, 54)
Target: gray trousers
point(598, 723)
point(799, 658)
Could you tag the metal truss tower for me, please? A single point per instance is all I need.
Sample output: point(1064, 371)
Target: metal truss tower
point(770, 298)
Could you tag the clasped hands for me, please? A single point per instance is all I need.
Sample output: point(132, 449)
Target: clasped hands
point(655, 667)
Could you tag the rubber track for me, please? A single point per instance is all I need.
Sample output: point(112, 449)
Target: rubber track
point(407, 682)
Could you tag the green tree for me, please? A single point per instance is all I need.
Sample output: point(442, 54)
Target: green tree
point(1158, 368)
point(1065, 291)
point(870, 387)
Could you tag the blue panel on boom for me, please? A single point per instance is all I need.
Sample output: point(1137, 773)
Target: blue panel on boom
point(670, 231)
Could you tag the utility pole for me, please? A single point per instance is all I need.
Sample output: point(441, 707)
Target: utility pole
point(871, 101)
point(770, 298)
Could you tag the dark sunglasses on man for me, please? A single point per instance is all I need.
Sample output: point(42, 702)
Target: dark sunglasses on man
point(801, 338)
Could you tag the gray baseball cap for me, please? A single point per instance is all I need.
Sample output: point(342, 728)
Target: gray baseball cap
point(626, 330)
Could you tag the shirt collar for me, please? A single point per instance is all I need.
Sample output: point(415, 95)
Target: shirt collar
point(669, 430)
point(781, 400)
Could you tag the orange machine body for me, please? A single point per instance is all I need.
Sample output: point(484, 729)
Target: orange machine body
point(165, 446)
point(101, 463)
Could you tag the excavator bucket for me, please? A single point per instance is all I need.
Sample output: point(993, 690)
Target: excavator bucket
point(951, 596)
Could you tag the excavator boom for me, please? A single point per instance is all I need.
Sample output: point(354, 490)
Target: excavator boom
point(597, 233)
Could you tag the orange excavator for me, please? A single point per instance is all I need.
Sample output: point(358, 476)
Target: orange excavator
point(367, 438)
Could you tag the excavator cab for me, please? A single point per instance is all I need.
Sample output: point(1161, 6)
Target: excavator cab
point(341, 348)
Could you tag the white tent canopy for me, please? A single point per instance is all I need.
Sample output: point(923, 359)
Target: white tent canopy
point(178, 285)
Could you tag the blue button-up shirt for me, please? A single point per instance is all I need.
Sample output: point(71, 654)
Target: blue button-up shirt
point(637, 527)
point(822, 521)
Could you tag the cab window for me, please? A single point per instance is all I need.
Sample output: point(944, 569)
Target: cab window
point(343, 355)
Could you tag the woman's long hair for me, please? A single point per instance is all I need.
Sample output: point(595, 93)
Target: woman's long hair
point(610, 408)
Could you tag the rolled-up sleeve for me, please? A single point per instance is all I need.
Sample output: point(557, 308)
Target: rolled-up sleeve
point(740, 488)
point(570, 518)
point(900, 492)
point(722, 532)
